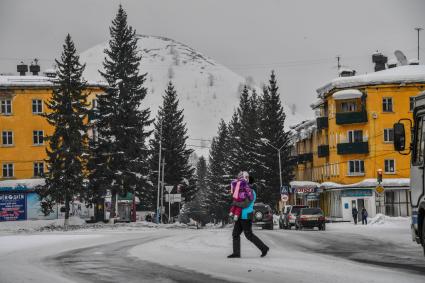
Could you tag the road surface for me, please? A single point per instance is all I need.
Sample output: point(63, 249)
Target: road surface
point(340, 254)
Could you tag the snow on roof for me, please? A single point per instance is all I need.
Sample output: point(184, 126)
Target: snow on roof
point(34, 81)
point(397, 75)
point(303, 184)
point(318, 103)
point(371, 183)
point(303, 130)
point(20, 184)
point(347, 94)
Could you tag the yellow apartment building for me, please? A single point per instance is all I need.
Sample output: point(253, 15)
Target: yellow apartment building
point(22, 145)
point(352, 138)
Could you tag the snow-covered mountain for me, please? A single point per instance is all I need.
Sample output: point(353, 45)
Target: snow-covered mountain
point(208, 91)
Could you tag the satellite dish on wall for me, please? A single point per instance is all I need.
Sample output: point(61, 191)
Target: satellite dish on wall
point(401, 58)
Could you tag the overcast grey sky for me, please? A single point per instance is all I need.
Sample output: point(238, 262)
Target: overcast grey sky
point(299, 39)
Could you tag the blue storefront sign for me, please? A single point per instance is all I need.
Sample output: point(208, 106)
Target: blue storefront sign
point(356, 193)
point(12, 206)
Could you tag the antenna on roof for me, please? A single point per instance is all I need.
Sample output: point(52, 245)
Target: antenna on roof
point(401, 58)
point(338, 58)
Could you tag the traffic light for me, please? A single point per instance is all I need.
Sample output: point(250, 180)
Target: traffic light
point(379, 176)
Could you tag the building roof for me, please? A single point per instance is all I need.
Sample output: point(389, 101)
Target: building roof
point(398, 75)
point(35, 81)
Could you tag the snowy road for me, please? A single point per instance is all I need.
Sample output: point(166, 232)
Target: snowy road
point(343, 253)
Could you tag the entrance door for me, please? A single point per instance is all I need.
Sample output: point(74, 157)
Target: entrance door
point(360, 206)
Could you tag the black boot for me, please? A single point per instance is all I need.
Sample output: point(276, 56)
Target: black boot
point(264, 252)
point(234, 256)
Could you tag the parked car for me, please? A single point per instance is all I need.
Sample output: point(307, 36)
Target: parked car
point(310, 217)
point(288, 216)
point(263, 216)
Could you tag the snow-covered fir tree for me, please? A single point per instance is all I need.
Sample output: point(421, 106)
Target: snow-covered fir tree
point(198, 207)
point(66, 153)
point(272, 131)
point(119, 161)
point(174, 150)
point(220, 168)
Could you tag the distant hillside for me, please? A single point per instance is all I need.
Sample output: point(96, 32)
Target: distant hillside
point(208, 91)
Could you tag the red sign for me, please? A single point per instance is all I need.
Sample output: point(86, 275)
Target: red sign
point(305, 190)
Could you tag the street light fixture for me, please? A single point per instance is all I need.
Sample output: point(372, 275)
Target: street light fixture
point(266, 141)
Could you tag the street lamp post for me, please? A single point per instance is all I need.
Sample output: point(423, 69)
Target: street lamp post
point(159, 174)
point(266, 141)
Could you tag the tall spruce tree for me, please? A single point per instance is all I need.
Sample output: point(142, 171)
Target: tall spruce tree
point(272, 129)
point(120, 154)
point(174, 150)
point(198, 207)
point(219, 174)
point(66, 153)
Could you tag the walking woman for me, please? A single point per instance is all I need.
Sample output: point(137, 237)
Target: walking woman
point(244, 224)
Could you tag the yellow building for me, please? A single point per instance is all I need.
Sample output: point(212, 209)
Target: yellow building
point(22, 145)
point(353, 139)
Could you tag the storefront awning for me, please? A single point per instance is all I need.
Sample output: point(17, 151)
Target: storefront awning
point(20, 185)
point(347, 94)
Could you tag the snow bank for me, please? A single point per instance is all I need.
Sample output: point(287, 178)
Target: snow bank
point(78, 224)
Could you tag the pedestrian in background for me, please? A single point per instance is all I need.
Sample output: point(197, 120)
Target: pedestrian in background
point(364, 216)
point(355, 212)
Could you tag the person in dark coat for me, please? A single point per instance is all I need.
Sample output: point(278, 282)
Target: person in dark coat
point(364, 216)
point(355, 212)
point(244, 224)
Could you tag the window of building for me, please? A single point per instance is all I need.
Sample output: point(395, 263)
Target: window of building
point(38, 169)
point(348, 106)
point(389, 166)
point(8, 170)
point(6, 107)
point(37, 137)
point(37, 106)
point(411, 103)
point(356, 167)
point(7, 138)
point(355, 136)
point(387, 104)
point(389, 135)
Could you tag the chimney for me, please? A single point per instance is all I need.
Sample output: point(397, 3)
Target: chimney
point(379, 60)
point(22, 69)
point(392, 63)
point(347, 72)
point(413, 62)
point(35, 68)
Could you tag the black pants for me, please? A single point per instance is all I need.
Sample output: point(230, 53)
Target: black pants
point(355, 218)
point(364, 220)
point(246, 227)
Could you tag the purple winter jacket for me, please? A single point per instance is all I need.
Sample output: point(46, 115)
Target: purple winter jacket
point(245, 190)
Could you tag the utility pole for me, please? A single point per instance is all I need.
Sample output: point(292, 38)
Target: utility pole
point(159, 174)
point(162, 187)
point(418, 30)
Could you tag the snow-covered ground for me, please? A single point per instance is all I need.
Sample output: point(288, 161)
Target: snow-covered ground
point(207, 250)
point(379, 252)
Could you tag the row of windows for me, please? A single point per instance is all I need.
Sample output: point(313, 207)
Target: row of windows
point(6, 106)
point(7, 138)
point(9, 169)
point(356, 167)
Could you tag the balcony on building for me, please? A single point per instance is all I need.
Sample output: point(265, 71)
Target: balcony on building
point(322, 122)
point(305, 157)
point(350, 107)
point(323, 150)
point(321, 109)
point(356, 146)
